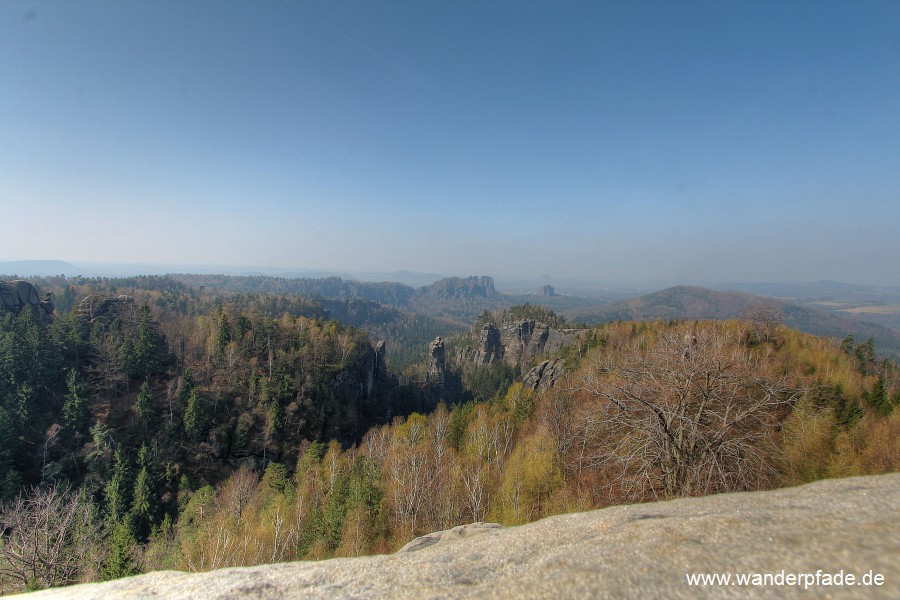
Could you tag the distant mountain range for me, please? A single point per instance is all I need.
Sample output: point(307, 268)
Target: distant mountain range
point(38, 268)
point(871, 303)
point(50, 268)
point(688, 302)
point(825, 308)
point(833, 291)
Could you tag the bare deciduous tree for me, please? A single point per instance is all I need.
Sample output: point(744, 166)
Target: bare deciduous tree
point(687, 412)
point(47, 534)
point(764, 320)
point(236, 493)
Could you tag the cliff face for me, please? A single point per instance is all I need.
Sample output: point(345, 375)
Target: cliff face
point(461, 287)
point(436, 361)
point(15, 295)
point(849, 526)
point(520, 343)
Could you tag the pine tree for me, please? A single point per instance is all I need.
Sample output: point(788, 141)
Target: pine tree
point(878, 398)
point(865, 356)
point(118, 489)
point(241, 327)
point(185, 387)
point(10, 479)
point(99, 449)
point(195, 416)
point(75, 412)
point(144, 404)
point(848, 412)
point(223, 337)
point(120, 560)
point(145, 347)
point(143, 504)
point(847, 345)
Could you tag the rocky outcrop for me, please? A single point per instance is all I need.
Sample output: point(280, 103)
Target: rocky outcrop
point(490, 348)
point(380, 353)
point(519, 343)
point(437, 365)
point(849, 526)
point(375, 368)
point(461, 287)
point(95, 307)
point(545, 374)
point(16, 295)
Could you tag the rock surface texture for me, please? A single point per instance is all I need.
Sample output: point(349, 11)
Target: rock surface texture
point(638, 551)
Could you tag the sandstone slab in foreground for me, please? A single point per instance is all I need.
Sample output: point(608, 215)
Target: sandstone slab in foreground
point(638, 551)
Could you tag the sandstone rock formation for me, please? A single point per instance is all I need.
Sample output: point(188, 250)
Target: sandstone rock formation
point(16, 295)
point(517, 342)
point(105, 307)
point(437, 366)
point(380, 366)
point(640, 551)
point(448, 535)
point(490, 348)
point(461, 287)
point(545, 374)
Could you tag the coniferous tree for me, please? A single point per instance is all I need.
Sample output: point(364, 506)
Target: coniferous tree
point(185, 387)
point(144, 352)
point(848, 412)
point(118, 489)
point(847, 345)
point(10, 480)
point(144, 404)
point(195, 418)
point(865, 356)
point(99, 449)
point(120, 560)
point(223, 337)
point(76, 414)
point(879, 399)
point(143, 503)
point(241, 327)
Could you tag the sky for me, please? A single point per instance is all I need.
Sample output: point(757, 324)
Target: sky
point(626, 141)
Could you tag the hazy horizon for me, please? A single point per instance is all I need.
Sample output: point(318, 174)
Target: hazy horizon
point(503, 282)
point(614, 141)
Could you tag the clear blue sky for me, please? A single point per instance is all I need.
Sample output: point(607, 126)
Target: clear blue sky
point(694, 141)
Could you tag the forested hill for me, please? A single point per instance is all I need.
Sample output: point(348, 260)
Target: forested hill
point(396, 294)
point(156, 425)
point(688, 302)
point(459, 300)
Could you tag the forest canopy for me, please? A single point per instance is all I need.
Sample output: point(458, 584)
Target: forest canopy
point(154, 424)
